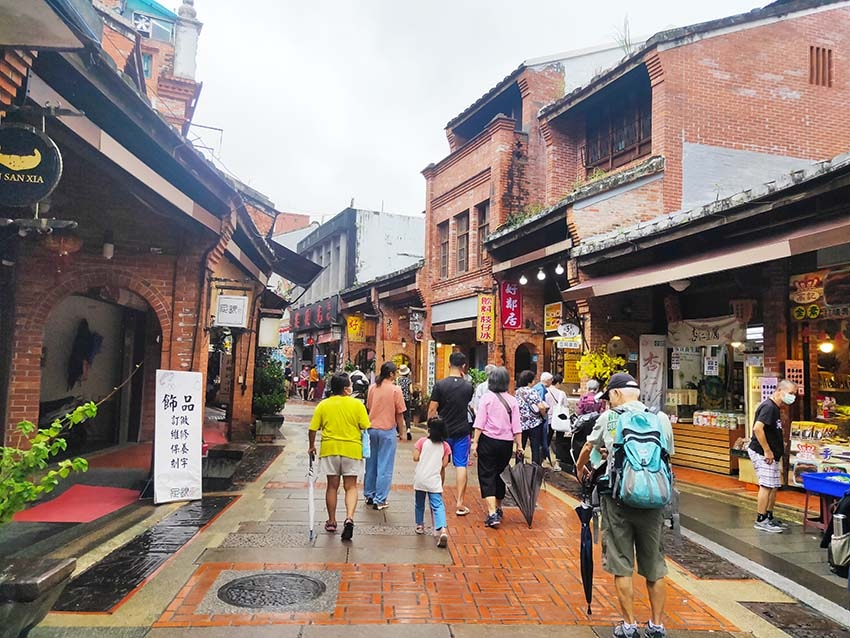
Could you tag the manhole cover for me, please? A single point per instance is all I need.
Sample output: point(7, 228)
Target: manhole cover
point(271, 590)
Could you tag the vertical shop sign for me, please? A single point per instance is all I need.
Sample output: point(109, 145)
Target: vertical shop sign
point(177, 437)
point(711, 366)
point(390, 329)
point(511, 306)
point(653, 349)
point(485, 332)
point(552, 316)
point(417, 324)
point(320, 364)
point(432, 365)
point(356, 329)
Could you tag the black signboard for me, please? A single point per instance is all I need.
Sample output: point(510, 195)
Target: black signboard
point(321, 314)
point(30, 165)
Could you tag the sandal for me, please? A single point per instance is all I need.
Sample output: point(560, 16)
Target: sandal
point(462, 511)
point(330, 527)
point(420, 529)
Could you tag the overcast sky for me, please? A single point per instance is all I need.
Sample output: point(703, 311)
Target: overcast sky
point(322, 101)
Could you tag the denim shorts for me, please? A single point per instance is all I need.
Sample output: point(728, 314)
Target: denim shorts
point(460, 450)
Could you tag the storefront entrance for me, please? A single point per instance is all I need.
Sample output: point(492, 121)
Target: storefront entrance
point(525, 358)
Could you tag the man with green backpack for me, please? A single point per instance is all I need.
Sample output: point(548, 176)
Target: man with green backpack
point(633, 492)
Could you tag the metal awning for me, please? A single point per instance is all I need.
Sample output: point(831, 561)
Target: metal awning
point(292, 266)
point(55, 25)
point(814, 237)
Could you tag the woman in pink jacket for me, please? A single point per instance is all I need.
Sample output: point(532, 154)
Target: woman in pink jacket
point(497, 436)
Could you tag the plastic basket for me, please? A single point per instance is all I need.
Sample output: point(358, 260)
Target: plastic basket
point(826, 483)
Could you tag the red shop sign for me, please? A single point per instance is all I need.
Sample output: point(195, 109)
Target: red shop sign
point(511, 300)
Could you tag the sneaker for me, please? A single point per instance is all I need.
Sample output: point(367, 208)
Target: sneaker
point(778, 523)
point(370, 501)
point(766, 526)
point(556, 467)
point(380, 506)
point(494, 520)
point(499, 512)
point(621, 631)
point(347, 530)
point(409, 436)
point(653, 631)
point(443, 540)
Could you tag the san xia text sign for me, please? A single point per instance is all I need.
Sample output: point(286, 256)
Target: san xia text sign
point(177, 437)
point(511, 299)
point(30, 165)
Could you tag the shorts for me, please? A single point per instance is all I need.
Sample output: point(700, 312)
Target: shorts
point(460, 450)
point(314, 384)
point(768, 474)
point(628, 533)
point(340, 466)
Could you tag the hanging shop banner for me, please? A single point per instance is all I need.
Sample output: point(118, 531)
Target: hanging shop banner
point(231, 311)
point(511, 305)
point(432, 365)
point(177, 438)
point(321, 314)
point(706, 332)
point(390, 329)
point(30, 165)
point(824, 294)
point(552, 316)
point(320, 365)
point(711, 366)
point(653, 351)
point(356, 328)
point(485, 331)
point(417, 324)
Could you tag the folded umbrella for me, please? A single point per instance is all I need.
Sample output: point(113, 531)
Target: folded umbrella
point(311, 496)
point(585, 514)
point(523, 481)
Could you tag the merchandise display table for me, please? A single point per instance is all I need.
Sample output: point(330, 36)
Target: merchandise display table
point(829, 487)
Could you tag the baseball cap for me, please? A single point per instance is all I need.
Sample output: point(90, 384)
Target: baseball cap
point(617, 381)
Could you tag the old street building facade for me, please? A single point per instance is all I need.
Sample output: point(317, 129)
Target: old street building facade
point(126, 279)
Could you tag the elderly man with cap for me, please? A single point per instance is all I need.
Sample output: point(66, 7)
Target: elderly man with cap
point(627, 532)
point(403, 381)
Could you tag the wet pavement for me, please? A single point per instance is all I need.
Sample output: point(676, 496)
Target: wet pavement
point(513, 581)
point(798, 620)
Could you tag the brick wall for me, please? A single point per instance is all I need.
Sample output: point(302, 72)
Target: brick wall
point(287, 222)
point(638, 204)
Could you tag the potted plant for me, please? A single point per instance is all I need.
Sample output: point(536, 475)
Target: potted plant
point(599, 365)
point(30, 587)
point(269, 396)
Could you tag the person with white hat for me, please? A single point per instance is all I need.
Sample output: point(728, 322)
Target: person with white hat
point(403, 381)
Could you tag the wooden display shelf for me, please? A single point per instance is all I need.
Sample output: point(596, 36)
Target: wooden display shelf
point(705, 448)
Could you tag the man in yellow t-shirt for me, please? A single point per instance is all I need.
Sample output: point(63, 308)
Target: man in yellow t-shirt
point(341, 418)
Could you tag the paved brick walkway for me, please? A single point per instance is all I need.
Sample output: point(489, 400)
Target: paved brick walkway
point(513, 575)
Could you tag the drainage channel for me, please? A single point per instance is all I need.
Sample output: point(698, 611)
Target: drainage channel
point(109, 581)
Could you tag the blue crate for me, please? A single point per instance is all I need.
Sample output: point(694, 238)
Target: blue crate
point(820, 483)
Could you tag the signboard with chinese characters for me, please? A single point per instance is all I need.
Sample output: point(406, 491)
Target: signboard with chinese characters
point(321, 314)
point(824, 294)
point(653, 351)
point(417, 324)
point(711, 366)
point(231, 311)
point(706, 332)
point(177, 437)
point(390, 328)
point(30, 165)
point(511, 299)
point(356, 325)
point(432, 365)
point(485, 331)
point(552, 316)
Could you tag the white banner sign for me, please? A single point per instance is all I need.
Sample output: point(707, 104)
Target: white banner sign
point(432, 365)
point(177, 439)
point(706, 332)
point(653, 353)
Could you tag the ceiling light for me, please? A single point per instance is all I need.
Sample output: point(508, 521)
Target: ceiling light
point(559, 269)
point(826, 347)
point(680, 285)
point(523, 279)
point(541, 275)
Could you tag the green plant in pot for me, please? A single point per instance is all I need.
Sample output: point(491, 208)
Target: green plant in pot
point(269, 396)
point(30, 587)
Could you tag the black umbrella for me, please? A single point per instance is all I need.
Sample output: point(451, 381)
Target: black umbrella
point(523, 481)
point(585, 514)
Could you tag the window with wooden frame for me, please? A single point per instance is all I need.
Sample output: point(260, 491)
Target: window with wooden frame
point(619, 130)
point(482, 212)
point(462, 225)
point(443, 236)
point(820, 66)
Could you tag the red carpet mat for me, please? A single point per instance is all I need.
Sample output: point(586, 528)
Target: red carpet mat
point(79, 504)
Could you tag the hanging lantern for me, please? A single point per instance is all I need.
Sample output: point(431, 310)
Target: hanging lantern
point(63, 245)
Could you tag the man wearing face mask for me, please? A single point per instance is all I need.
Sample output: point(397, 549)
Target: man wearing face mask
point(766, 449)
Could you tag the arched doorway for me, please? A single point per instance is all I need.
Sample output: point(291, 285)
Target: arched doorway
point(365, 360)
point(92, 342)
point(525, 358)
